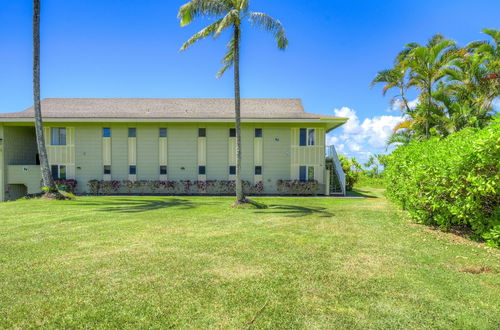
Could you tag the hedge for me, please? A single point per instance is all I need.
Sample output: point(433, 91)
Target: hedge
point(453, 181)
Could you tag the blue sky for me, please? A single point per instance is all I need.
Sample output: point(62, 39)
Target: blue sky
point(129, 48)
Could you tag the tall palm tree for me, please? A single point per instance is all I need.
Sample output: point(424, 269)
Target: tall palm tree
point(47, 179)
point(230, 14)
point(427, 66)
point(394, 78)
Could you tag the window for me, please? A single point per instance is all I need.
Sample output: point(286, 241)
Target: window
point(258, 170)
point(202, 132)
point(132, 170)
point(163, 170)
point(202, 170)
point(258, 132)
point(58, 172)
point(307, 137)
point(107, 170)
point(163, 132)
point(106, 132)
point(232, 132)
point(310, 173)
point(232, 170)
point(311, 136)
point(303, 137)
point(303, 173)
point(58, 136)
point(306, 173)
point(132, 132)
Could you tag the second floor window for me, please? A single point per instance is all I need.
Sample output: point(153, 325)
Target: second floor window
point(232, 132)
point(307, 137)
point(202, 132)
point(106, 132)
point(58, 137)
point(258, 132)
point(163, 132)
point(132, 132)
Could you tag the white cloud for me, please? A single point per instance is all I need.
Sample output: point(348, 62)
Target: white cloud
point(397, 104)
point(360, 139)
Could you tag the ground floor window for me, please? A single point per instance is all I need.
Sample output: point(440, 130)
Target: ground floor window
point(202, 170)
point(58, 172)
point(306, 173)
point(258, 170)
point(232, 170)
point(107, 170)
point(163, 170)
point(132, 170)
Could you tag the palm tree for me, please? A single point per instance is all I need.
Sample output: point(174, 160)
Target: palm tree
point(47, 179)
point(394, 78)
point(230, 14)
point(427, 66)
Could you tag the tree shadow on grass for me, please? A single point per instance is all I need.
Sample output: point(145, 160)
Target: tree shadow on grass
point(139, 205)
point(361, 193)
point(295, 211)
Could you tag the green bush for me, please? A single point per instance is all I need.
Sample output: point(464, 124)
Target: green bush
point(352, 170)
point(451, 181)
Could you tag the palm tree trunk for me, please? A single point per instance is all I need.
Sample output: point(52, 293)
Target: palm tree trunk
point(240, 197)
point(429, 91)
point(40, 140)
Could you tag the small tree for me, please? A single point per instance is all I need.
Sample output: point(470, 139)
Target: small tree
point(352, 170)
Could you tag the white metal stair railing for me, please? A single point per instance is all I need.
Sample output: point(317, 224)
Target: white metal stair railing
point(332, 153)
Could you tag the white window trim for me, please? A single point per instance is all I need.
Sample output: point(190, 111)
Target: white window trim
point(307, 136)
point(52, 129)
point(59, 171)
point(307, 172)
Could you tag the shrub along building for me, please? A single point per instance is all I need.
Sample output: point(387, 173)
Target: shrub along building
point(162, 142)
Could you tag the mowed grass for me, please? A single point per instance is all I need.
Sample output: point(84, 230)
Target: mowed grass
point(147, 262)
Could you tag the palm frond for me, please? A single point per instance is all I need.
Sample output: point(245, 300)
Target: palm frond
point(228, 59)
point(196, 8)
point(206, 32)
point(231, 19)
point(271, 25)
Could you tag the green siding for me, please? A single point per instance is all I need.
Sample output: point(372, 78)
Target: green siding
point(119, 152)
point(247, 167)
point(183, 152)
point(20, 148)
point(88, 154)
point(2, 166)
point(276, 159)
point(217, 152)
point(147, 153)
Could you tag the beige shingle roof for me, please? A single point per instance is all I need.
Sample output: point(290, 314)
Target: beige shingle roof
point(168, 108)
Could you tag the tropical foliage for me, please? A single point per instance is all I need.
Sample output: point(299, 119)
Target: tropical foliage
point(229, 15)
point(456, 86)
point(453, 181)
point(352, 170)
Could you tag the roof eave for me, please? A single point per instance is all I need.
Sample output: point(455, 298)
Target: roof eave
point(331, 122)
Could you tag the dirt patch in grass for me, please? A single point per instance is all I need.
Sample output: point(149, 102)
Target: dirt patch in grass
point(477, 270)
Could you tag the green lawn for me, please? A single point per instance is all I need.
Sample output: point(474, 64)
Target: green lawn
point(129, 262)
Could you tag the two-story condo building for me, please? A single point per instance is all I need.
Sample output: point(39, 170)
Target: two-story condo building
point(164, 139)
